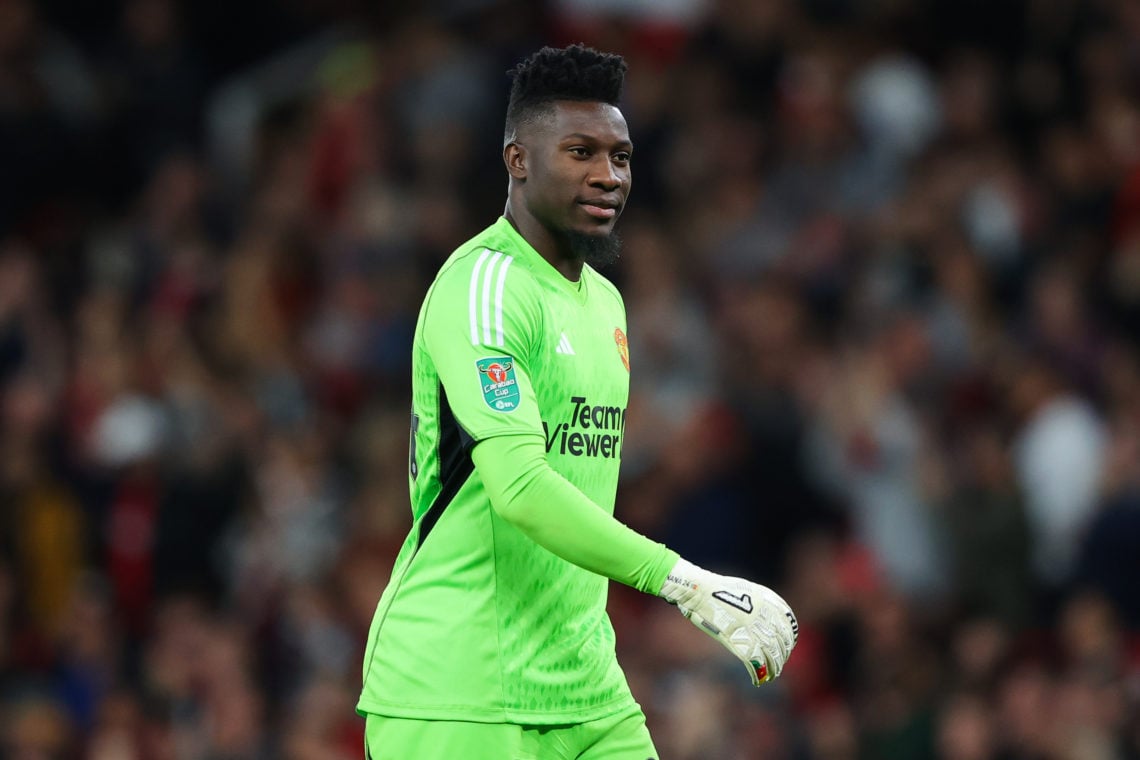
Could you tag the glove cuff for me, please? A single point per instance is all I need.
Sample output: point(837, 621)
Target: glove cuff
point(681, 583)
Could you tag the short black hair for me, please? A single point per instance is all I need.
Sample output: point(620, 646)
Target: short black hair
point(576, 72)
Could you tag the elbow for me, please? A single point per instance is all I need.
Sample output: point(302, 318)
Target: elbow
point(510, 501)
point(515, 499)
point(513, 490)
point(510, 510)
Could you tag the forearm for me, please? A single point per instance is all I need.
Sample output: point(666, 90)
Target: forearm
point(751, 621)
point(529, 494)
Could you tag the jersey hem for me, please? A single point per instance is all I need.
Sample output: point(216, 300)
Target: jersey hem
point(483, 715)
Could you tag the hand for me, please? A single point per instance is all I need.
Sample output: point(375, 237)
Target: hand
point(750, 620)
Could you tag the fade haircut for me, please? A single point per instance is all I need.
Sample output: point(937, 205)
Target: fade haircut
point(571, 73)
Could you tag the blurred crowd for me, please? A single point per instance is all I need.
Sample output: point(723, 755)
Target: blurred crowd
point(882, 269)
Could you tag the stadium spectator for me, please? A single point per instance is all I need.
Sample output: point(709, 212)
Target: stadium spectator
point(883, 287)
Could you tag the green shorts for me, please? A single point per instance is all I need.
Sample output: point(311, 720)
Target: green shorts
point(618, 737)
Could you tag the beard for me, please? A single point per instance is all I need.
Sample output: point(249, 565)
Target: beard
point(596, 250)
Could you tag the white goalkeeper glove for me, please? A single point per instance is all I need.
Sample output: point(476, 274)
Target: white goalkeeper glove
point(750, 620)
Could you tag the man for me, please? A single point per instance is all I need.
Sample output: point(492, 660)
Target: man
point(492, 639)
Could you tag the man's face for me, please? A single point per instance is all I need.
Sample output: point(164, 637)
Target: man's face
point(577, 168)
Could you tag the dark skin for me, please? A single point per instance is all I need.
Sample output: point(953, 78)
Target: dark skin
point(569, 172)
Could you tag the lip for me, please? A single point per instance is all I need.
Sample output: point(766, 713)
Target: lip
point(601, 208)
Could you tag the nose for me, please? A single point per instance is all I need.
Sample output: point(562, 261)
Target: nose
point(605, 175)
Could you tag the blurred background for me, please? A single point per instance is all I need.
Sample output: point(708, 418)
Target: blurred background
point(882, 267)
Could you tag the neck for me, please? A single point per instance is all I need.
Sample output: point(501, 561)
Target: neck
point(548, 246)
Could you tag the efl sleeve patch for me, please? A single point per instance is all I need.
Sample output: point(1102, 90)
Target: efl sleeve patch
point(498, 382)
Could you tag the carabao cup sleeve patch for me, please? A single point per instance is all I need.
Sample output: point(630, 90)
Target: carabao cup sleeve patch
point(498, 382)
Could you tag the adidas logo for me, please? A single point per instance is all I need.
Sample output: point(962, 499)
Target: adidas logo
point(564, 346)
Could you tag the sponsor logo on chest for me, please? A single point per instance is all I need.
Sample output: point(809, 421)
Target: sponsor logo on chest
point(592, 430)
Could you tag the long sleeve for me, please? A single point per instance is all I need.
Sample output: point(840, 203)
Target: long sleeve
point(529, 494)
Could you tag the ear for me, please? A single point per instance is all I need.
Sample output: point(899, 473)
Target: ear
point(514, 156)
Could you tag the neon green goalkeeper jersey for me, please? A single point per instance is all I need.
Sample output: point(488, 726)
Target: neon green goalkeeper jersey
point(479, 622)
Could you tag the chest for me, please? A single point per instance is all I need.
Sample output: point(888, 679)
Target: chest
point(580, 365)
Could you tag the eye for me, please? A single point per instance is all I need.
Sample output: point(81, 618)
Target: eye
point(579, 151)
point(622, 157)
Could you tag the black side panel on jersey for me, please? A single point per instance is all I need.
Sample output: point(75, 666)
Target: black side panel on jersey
point(455, 464)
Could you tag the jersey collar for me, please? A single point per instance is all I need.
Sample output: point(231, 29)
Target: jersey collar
point(539, 265)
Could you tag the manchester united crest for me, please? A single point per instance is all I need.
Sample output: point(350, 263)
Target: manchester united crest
point(622, 347)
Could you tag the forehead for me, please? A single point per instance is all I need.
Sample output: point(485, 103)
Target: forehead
point(600, 121)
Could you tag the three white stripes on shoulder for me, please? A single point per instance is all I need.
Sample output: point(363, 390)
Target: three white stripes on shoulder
point(485, 312)
point(490, 269)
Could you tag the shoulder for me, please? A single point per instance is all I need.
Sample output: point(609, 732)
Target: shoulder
point(604, 285)
point(481, 273)
point(483, 258)
point(486, 255)
point(484, 292)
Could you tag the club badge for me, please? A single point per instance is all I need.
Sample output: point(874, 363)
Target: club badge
point(622, 347)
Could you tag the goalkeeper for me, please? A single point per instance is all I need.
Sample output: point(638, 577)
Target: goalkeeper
point(491, 639)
